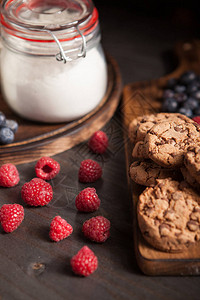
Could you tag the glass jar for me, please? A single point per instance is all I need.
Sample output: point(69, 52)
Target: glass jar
point(53, 68)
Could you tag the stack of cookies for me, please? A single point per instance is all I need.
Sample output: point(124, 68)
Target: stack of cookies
point(166, 153)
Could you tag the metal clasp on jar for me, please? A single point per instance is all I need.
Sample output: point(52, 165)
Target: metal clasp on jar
point(62, 55)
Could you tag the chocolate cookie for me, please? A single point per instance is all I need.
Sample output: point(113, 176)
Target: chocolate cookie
point(147, 172)
point(189, 178)
point(167, 142)
point(139, 151)
point(192, 161)
point(133, 129)
point(139, 126)
point(169, 216)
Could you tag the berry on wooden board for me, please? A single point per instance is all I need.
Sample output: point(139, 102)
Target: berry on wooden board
point(6, 136)
point(84, 262)
point(9, 175)
point(59, 229)
point(37, 192)
point(87, 200)
point(182, 95)
point(196, 119)
point(89, 171)
point(98, 142)
point(7, 129)
point(97, 229)
point(11, 216)
point(47, 168)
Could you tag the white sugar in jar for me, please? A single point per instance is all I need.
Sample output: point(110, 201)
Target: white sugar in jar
point(53, 68)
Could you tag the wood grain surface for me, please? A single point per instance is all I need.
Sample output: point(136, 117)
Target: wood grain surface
point(145, 98)
point(34, 139)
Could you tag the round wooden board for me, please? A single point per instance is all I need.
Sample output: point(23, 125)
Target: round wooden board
point(34, 139)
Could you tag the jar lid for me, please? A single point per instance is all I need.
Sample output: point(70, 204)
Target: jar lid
point(47, 21)
point(46, 14)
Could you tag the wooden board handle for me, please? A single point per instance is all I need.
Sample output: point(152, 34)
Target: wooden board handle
point(188, 54)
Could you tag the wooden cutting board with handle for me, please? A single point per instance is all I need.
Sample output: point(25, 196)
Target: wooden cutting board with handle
point(141, 98)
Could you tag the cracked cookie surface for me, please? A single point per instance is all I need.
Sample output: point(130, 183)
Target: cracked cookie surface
point(169, 215)
point(139, 151)
point(192, 161)
point(147, 172)
point(188, 177)
point(139, 126)
point(167, 142)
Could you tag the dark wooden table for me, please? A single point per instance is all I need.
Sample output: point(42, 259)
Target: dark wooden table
point(140, 37)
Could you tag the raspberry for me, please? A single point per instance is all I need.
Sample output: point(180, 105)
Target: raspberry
point(98, 142)
point(59, 229)
point(97, 229)
point(11, 216)
point(47, 168)
point(87, 200)
point(196, 119)
point(9, 175)
point(84, 262)
point(89, 171)
point(37, 192)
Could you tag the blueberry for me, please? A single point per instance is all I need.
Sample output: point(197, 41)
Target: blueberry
point(6, 135)
point(170, 105)
point(193, 87)
point(180, 88)
point(187, 77)
point(191, 103)
point(12, 124)
point(168, 93)
point(186, 111)
point(2, 119)
point(196, 95)
point(171, 83)
point(180, 97)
